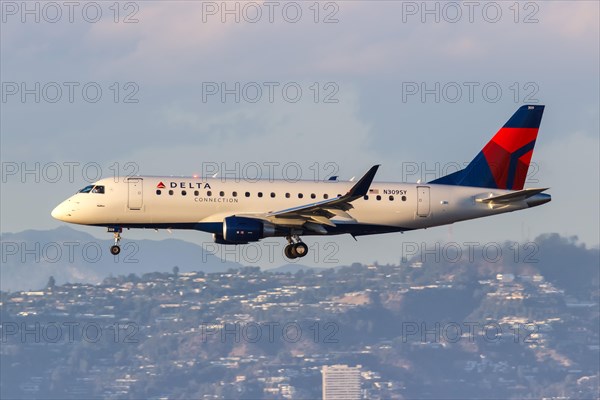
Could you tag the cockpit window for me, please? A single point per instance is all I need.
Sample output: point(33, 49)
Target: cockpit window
point(92, 189)
point(86, 189)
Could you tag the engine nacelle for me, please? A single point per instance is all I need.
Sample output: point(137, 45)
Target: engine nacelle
point(242, 230)
point(220, 240)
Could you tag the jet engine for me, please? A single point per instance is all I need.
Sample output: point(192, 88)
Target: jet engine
point(242, 230)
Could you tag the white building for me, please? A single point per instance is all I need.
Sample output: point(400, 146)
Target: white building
point(341, 382)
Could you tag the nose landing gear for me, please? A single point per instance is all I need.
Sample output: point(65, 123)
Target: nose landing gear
point(296, 247)
point(116, 249)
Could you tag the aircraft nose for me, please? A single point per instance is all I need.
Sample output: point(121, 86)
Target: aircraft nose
point(60, 212)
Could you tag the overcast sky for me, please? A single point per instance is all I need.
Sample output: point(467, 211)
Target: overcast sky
point(338, 86)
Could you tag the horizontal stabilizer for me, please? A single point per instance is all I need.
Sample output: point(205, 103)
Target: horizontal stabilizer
point(512, 197)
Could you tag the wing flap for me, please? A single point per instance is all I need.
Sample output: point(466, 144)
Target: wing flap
point(321, 220)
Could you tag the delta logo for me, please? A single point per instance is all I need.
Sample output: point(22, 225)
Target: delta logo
point(184, 185)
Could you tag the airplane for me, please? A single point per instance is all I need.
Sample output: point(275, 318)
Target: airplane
point(238, 212)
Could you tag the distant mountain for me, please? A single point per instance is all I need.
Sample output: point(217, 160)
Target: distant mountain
point(570, 265)
point(30, 257)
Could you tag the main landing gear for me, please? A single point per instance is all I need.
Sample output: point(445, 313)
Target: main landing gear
point(296, 247)
point(116, 249)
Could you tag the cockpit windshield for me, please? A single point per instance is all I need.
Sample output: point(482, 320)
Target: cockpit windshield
point(92, 189)
point(86, 189)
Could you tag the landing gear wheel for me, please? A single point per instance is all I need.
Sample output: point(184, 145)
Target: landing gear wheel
point(300, 249)
point(115, 249)
point(289, 251)
point(295, 247)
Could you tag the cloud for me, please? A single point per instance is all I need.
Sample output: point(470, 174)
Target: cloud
point(573, 20)
point(305, 131)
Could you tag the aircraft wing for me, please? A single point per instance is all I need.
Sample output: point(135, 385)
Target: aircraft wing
point(320, 212)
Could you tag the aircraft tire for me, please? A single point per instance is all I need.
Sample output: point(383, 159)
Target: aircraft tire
point(289, 252)
point(300, 249)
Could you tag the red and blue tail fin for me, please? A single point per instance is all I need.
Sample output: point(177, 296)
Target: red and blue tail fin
point(504, 161)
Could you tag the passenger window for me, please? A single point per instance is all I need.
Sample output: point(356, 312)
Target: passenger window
point(273, 194)
point(247, 194)
point(158, 191)
point(209, 193)
point(391, 198)
point(378, 197)
point(221, 193)
point(403, 198)
point(313, 196)
point(196, 193)
point(325, 196)
point(366, 197)
point(183, 193)
point(259, 194)
point(287, 195)
point(170, 192)
point(300, 195)
point(234, 194)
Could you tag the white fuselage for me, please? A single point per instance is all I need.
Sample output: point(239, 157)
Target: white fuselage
point(202, 204)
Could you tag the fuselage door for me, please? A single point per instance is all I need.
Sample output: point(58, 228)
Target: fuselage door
point(423, 201)
point(135, 200)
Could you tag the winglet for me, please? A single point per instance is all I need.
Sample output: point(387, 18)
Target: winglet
point(362, 186)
